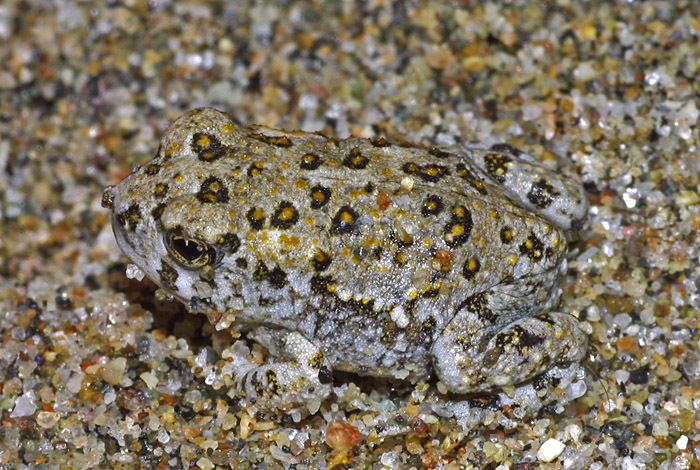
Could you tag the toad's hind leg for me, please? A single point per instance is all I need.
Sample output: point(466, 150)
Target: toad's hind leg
point(477, 353)
point(296, 375)
point(556, 197)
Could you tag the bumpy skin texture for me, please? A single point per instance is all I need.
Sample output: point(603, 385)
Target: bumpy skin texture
point(360, 255)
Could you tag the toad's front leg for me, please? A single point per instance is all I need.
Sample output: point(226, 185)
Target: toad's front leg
point(295, 374)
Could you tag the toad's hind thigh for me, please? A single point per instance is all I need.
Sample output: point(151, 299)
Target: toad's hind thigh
point(492, 342)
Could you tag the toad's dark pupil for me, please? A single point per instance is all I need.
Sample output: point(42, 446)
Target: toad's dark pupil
point(189, 250)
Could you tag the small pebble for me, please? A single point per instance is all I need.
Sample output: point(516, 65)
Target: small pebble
point(149, 379)
point(341, 435)
point(114, 370)
point(47, 419)
point(205, 464)
point(550, 450)
point(24, 406)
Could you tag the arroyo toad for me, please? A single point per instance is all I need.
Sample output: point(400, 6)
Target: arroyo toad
point(368, 256)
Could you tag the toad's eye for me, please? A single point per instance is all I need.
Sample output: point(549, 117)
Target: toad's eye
point(189, 252)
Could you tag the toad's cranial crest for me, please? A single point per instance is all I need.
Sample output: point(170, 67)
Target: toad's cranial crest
point(368, 256)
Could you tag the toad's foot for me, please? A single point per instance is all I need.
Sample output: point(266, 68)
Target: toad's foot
point(541, 190)
point(474, 361)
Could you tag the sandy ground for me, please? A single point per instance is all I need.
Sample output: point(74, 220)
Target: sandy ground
point(98, 372)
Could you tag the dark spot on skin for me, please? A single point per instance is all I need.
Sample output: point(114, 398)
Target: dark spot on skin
point(276, 277)
point(321, 260)
point(542, 194)
point(379, 142)
point(343, 221)
point(316, 361)
point(432, 205)
point(276, 140)
point(261, 271)
point(506, 235)
point(362, 308)
point(256, 218)
point(548, 252)
point(157, 212)
point(473, 181)
point(533, 248)
point(255, 169)
point(458, 229)
point(506, 148)
point(213, 190)
point(496, 165)
point(322, 285)
point(320, 195)
point(285, 216)
point(161, 190)
point(355, 160)
point(130, 218)
point(430, 172)
point(430, 292)
point(168, 276)
point(242, 263)
point(427, 327)
point(478, 304)
point(272, 383)
point(310, 161)
point(546, 318)
point(471, 268)
point(518, 337)
point(254, 381)
point(436, 152)
point(369, 188)
point(463, 342)
point(229, 242)
point(207, 147)
point(545, 380)
point(152, 169)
